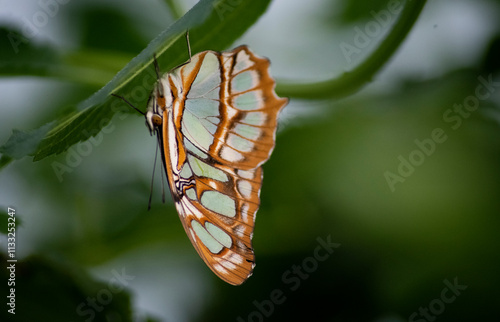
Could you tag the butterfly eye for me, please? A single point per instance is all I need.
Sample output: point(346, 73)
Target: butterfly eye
point(157, 120)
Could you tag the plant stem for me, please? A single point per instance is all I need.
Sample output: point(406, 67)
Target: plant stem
point(352, 81)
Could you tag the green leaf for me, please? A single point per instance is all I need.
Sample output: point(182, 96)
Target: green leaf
point(4, 161)
point(22, 143)
point(212, 24)
point(351, 11)
point(20, 56)
point(121, 33)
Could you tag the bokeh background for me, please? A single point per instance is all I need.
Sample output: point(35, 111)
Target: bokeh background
point(413, 242)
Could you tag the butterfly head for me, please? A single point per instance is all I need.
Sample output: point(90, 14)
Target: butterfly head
point(159, 101)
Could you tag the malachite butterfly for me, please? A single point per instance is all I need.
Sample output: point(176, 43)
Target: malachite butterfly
point(215, 117)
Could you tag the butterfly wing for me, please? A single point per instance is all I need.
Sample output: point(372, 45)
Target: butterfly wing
point(222, 129)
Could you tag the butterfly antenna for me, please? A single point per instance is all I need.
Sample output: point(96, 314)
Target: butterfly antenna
point(157, 70)
point(162, 185)
point(130, 104)
point(157, 67)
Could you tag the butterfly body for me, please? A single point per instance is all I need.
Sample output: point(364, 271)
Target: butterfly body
point(216, 117)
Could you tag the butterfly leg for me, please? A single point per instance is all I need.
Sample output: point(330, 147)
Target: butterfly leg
point(189, 46)
point(157, 68)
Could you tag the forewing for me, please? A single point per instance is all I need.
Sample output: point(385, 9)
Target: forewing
point(231, 108)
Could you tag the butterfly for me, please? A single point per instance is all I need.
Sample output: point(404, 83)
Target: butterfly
point(215, 118)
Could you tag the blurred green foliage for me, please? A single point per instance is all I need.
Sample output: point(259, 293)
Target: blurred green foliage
point(82, 209)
